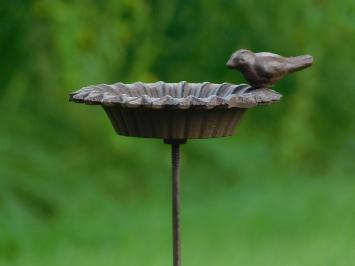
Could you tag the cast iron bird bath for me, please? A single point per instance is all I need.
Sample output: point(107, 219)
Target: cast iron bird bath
point(176, 112)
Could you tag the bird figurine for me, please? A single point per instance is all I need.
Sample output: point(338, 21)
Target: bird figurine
point(263, 70)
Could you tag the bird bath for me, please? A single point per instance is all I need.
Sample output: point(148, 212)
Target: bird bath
point(176, 112)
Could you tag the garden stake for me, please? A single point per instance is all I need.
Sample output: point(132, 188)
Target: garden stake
point(179, 111)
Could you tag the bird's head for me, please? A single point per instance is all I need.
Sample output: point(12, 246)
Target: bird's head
point(240, 59)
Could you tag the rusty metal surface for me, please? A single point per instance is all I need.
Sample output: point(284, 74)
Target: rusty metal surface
point(176, 199)
point(174, 123)
point(176, 112)
point(182, 95)
point(264, 70)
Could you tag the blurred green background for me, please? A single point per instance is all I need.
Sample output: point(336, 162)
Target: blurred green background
point(280, 192)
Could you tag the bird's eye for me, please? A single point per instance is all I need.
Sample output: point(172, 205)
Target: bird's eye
point(241, 60)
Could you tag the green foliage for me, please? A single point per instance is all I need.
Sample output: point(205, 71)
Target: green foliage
point(72, 192)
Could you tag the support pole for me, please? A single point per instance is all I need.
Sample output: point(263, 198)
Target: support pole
point(175, 156)
point(175, 160)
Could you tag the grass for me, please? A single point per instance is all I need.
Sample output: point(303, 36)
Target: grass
point(306, 221)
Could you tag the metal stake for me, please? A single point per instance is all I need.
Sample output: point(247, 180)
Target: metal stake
point(175, 160)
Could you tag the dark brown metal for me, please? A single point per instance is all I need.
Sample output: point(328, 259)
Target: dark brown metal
point(263, 70)
point(175, 123)
point(176, 198)
point(176, 204)
point(179, 111)
point(181, 95)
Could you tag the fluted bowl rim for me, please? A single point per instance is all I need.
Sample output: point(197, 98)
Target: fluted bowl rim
point(181, 95)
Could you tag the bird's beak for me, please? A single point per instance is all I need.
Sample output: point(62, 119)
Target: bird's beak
point(230, 64)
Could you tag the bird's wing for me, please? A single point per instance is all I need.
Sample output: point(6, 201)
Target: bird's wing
point(270, 66)
point(266, 54)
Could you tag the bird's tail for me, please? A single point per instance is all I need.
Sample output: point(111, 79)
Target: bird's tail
point(299, 62)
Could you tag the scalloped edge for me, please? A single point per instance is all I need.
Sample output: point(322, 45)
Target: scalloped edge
point(181, 95)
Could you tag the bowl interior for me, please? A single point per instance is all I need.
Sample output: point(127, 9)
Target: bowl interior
point(176, 90)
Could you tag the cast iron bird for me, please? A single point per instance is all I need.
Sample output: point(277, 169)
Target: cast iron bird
point(263, 70)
